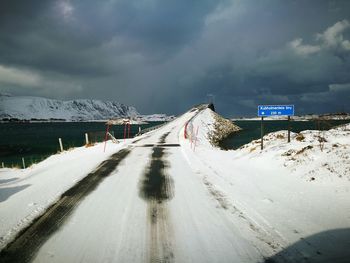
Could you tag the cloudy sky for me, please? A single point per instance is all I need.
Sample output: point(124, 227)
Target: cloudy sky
point(166, 55)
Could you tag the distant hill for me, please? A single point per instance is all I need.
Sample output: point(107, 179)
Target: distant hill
point(37, 108)
point(307, 117)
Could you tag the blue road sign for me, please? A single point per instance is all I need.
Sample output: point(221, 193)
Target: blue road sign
point(275, 110)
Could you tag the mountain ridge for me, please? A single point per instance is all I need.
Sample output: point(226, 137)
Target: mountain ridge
point(39, 108)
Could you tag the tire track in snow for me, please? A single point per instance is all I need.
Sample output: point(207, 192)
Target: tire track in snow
point(156, 187)
point(28, 242)
point(261, 234)
point(163, 137)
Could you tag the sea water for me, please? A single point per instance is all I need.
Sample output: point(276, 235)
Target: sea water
point(251, 130)
point(36, 141)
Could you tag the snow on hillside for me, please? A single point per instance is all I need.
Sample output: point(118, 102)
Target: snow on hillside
point(156, 117)
point(312, 155)
point(27, 108)
point(295, 195)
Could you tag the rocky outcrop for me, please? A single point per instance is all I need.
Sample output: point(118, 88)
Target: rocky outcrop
point(222, 128)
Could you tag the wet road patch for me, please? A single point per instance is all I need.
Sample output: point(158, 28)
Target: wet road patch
point(170, 145)
point(161, 234)
point(156, 188)
point(156, 184)
point(148, 145)
point(161, 145)
point(163, 137)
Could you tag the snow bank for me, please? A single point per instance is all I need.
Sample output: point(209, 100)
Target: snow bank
point(285, 193)
point(26, 194)
point(313, 155)
point(209, 128)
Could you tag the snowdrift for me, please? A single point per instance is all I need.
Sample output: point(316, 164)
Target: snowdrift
point(285, 196)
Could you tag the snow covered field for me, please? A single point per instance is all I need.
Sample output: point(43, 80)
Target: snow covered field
point(289, 191)
point(287, 203)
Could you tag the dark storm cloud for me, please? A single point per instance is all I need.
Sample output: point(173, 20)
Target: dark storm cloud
point(164, 56)
point(77, 37)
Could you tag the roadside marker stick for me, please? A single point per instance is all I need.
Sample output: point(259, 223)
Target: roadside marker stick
point(191, 140)
point(2, 164)
point(24, 164)
point(86, 139)
point(195, 139)
point(107, 131)
point(124, 131)
point(61, 145)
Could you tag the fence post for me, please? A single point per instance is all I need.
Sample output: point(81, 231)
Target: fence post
point(129, 130)
point(196, 138)
point(106, 137)
point(61, 145)
point(86, 139)
point(24, 164)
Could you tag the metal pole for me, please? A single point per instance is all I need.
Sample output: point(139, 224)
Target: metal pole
point(288, 128)
point(106, 137)
point(61, 145)
point(24, 164)
point(262, 133)
point(86, 138)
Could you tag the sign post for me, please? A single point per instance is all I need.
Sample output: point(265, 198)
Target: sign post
point(274, 110)
point(262, 133)
point(288, 128)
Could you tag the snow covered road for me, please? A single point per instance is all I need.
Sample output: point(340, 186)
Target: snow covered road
point(152, 208)
point(163, 198)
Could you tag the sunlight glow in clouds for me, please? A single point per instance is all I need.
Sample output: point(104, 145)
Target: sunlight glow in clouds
point(65, 8)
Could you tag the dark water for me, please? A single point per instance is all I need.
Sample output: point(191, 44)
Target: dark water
point(251, 130)
point(37, 141)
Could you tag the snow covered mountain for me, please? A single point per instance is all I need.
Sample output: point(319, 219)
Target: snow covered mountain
point(156, 117)
point(37, 108)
